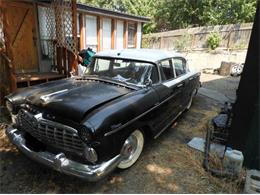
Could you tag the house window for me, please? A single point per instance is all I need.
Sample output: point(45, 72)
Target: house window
point(107, 25)
point(91, 32)
point(119, 34)
point(131, 35)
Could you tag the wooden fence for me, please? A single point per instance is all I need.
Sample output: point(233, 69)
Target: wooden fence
point(233, 36)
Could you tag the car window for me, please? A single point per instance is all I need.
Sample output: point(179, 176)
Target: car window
point(154, 75)
point(101, 65)
point(179, 66)
point(124, 70)
point(166, 70)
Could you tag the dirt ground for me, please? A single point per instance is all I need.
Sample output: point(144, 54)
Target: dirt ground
point(167, 164)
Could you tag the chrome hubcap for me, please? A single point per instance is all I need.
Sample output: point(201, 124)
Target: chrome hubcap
point(132, 149)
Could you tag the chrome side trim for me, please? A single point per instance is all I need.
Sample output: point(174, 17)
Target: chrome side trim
point(179, 79)
point(60, 162)
point(141, 115)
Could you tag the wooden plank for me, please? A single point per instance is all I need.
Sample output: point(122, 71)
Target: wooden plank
point(59, 59)
point(74, 65)
point(21, 31)
point(8, 46)
point(37, 34)
point(74, 21)
point(99, 31)
point(82, 30)
point(70, 61)
point(20, 26)
point(18, 4)
point(37, 76)
point(74, 34)
point(125, 34)
point(6, 24)
point(113, 34)
point(135, 36)
point(64, 61)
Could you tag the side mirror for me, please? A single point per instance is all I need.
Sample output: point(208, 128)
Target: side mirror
point(148, 82)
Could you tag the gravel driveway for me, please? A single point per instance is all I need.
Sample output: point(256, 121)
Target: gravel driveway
point(167, 165)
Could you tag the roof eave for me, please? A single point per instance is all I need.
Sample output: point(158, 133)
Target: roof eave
point(101, 11)
point(110, 13)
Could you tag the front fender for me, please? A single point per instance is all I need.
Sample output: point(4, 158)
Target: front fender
point(113, 122)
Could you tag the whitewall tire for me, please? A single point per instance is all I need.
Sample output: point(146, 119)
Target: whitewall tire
point(132, 149)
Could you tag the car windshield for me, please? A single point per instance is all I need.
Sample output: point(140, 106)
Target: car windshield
point(127, 71)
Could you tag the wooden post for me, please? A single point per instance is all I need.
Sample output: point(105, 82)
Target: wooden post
point(135, 36)
point(113, 34)
point(99, 32)
point(64, 61)
point(59, 59)
point(82, 31)
point(229, 37)
point(125, 34)
point(74, 34)
point(8, 47)
point(74, 22)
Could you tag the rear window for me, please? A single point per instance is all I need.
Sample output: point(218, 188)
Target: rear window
point(179, 66)
point(166, 70)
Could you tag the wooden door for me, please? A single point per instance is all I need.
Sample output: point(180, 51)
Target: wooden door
point(22, 31)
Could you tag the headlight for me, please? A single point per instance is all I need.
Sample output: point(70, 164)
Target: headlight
point(9, 106)
point(85, 134)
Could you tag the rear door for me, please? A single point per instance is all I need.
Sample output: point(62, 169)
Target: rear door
point(189, 82)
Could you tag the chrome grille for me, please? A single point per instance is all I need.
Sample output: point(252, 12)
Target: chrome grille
point(53, 133)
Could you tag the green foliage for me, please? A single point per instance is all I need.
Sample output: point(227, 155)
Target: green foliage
point(175, 14)
point(213, 40)
point(183, 43)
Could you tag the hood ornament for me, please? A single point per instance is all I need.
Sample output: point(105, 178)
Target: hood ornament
point(47, 98)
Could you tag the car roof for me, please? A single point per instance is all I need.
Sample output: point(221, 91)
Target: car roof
point(150, 55)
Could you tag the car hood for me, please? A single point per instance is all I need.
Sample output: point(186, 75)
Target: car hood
point(75, 98)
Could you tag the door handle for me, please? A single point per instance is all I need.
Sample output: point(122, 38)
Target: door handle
point(180, 85)
point(191, 78)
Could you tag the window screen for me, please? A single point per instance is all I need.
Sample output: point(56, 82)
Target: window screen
point(180, 66)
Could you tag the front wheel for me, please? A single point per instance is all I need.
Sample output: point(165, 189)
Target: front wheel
point(132, 149)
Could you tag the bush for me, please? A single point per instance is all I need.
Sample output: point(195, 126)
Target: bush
point(213, 40)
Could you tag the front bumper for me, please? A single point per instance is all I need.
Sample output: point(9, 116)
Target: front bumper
point(60, 163)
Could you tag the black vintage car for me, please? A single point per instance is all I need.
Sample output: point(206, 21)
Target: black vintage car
point(87, 126)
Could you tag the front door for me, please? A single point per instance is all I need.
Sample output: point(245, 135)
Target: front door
point(21, 29)
point(170, 94)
